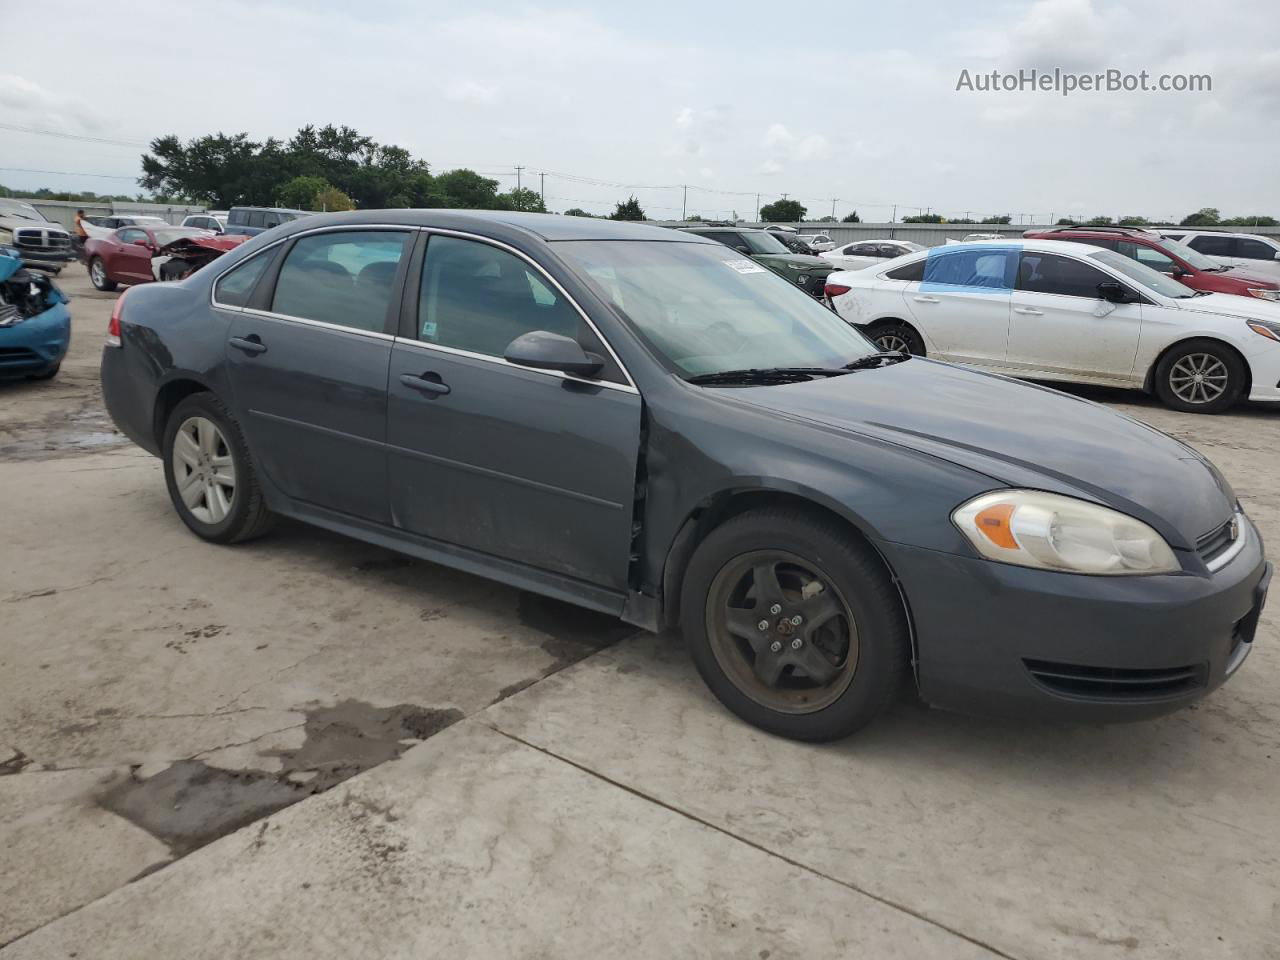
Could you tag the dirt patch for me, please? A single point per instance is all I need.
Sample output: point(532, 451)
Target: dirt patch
point(61, 435)
point(191, 803)
point(12, 761)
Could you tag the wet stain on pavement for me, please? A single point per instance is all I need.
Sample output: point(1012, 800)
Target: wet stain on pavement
point(61, 435)
point(572, 632)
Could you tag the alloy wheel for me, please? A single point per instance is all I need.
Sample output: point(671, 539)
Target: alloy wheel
point(97, 274)
point(204, 470)
point(892, 343)
point(782, 632)
point(1198, 378)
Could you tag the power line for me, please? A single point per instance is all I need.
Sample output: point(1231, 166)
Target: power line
point(72, 136)
point(67, 173)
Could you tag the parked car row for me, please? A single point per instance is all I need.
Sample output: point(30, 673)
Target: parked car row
point(770, 249)
point(654, 424)
point(141, 254)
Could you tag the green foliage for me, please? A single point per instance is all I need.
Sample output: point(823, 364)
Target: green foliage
point(1100, 222)
point(924, 218)
point(301, 191)
point(827, 220)
point(1254, 221)
point(851, 218)
point(1002, 218)
point(522, 198)
point(576, 212)
point(1134, 221)
point(1204, 217)
point(331, 200)
point(783, 211)
point(1068, 222)
point(629, 209)
point(83, 196)
point(468, 190)
point(962, 220)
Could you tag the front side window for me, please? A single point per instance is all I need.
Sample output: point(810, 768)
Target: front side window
point(233, 289)
point(346, 278)
point(478, 297)
point(270, 219)
point(1146, 256)
point(1254, 250)
point(702, 309)
point(1050, 273)
point(132, 235)
point(1193, 257)
point(763, 243)
point(1142, 274)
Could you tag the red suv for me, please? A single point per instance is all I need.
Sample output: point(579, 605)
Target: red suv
point(1167, 256)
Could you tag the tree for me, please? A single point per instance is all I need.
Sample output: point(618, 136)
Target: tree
point(216, 170)
point(1254, 221)
point(1204, 217)
point(300, 192)
point(783, 211)
point(1002, 218)
point(576, 212)
point(962, 220)
point(628, 210)
point(467, 189)
point(827, 220)
point(1100, 222)
point(522, 198)
point(331, 199)
point(1068, 222)
point(851, 218)
point(1133, 221)
point(923, 218)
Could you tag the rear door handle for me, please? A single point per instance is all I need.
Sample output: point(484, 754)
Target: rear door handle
point(1031, 311)
point(251, 344)
point(926, 299)
point(427, 383)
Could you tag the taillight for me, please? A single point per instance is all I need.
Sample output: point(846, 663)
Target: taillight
point(113, 325)
point(835, 289)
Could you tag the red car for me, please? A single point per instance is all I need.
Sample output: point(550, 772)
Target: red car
point(1168, 256)
point(140, 254)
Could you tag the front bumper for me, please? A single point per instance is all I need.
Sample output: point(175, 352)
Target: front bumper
point(999, 639)
point(36, 344)
point(48, 259)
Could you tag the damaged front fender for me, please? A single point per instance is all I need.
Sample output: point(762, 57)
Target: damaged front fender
point(186, 255)
point(35, 325)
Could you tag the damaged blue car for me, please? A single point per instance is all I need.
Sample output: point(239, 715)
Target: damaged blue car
point(35, 325)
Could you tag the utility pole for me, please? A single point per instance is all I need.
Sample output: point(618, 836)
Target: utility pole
point(684, 203)
point(757, 219)
point(518, 169)
point(542, 189)
point(893, 217)
point(833, 207)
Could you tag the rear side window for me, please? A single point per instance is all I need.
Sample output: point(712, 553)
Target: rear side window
point(238, 217)
point(257, 218)
point(233, 289)
point(912, 271)
point(984, 268)
point(346, 279)
point(1049, 273)
point(478, 298)
point(1254, 250)
point(1212, 246)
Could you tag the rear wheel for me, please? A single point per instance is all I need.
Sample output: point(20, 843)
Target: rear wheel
point(209, 473)
point(795, 626)
point(175, 270)
point(98, 275)
point(898, 338)
point(1200, 377)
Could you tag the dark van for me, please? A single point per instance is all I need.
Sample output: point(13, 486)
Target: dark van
point(250, 221)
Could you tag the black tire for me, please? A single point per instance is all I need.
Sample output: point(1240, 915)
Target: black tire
point(891, 336)
point(247, 516)
point(1220, 368)
point(99, 278)
point(47, 374)
point(176, 270)
point(860, 579)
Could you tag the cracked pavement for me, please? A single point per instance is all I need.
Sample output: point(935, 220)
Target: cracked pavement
point(309, 747)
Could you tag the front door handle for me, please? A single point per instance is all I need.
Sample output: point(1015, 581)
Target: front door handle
point(1030, 311)
point(427, 383)
point(926, 299)
point(251, 344)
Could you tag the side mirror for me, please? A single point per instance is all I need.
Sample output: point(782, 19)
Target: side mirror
point(542, 350)
point(1277, 256)
point(1114, 292)
point(743, 248)
point(142, 243)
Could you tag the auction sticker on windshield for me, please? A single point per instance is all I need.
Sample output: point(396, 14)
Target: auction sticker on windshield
point(743, 266)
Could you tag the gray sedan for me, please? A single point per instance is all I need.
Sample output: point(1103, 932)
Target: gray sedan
point(646, 423)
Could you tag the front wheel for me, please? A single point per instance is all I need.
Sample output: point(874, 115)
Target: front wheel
point(98, 276)
point(209, 473)
point(898, 338)
point(1200, 377)
point(794, 624)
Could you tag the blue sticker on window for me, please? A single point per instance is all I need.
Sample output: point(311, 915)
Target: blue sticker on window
point(978, 267)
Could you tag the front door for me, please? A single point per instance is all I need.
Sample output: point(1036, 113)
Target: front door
point(131, 261)
point(1061, 326)
point(961, 303)
point(309, 370)
point(526, 465)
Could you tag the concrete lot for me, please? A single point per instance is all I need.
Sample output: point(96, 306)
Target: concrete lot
point(308, 747)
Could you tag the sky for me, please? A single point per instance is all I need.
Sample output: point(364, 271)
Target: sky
point(847, 105)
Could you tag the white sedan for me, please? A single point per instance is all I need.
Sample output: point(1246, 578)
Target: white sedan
point(818, 242)
point(1056, 310)
point(866, 253)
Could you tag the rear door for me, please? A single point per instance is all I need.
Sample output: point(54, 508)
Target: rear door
point(308, 361)
point(530, 466)
point(961, 304)
point(1060, 326)
point(1224, 250)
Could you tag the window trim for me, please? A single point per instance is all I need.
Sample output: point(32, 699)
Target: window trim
point(410, 303)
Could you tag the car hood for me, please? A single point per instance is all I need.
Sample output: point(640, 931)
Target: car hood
point(799, 260)
point(1232, 305)
point(1019, 435)
point(1250, 275)
point(22, 223)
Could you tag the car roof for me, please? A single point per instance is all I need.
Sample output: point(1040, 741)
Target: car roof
point(1070, 247)
point(544, 226)
point(733, 228)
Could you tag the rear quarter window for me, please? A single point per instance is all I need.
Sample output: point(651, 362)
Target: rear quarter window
point(233, 289)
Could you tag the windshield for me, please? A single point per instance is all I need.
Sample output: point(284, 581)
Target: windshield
point(1143, 275)
point(702, 309)
point(907, 245)
point(1193, 257)
point(763, 243)
point(11, 208)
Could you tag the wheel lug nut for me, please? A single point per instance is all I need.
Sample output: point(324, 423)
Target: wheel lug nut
point(776, 646)
point(797, 643)
point(776, 609)
point(762, 625)
point(797, 620)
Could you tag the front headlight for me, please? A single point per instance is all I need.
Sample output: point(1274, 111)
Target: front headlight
point(1046, 530)
point(1266, 328)
point(6, 235)
point(1264, 294)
